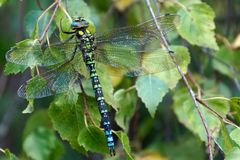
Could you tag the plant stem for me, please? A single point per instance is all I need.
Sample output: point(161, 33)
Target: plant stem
point(192, 94)
point(49, 23)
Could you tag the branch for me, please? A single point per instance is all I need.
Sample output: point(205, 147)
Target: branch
point(204, 103)
point(67, 6)
point(86, 105)
point(192, 94)
point(49, 23)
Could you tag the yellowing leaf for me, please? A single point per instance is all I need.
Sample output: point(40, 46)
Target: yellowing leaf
point(236, 43)
point(197, 25)
point(151, 156)
point(121, 5)
point(116, 79)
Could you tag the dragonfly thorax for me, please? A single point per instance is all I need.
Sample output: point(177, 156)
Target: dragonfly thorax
point(86, 40)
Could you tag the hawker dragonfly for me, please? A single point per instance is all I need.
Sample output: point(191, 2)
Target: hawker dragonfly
point(122, 48)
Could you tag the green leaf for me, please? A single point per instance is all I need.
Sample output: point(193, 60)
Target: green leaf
point(42, 144)
point(234, 154)
point(35, 27)
point(224, 140)
point(106, 83)
point(68, 118)
point(74, 11)
point(197, 25)
point(186, 2)
point(125, 143)
point(2, 2)
point(235, 107)
point(227, 57)
point(8, 154)
point(126, 104)
point(38, 119)
point(12, 68)
point(34, 86)
point(221, 106)
point(189, 116)
point(151, 90)
point(185, 147)
point(235, 136)
point(172, 76)
point(93, 139)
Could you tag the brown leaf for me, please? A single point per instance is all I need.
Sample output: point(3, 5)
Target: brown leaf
point(236, 43)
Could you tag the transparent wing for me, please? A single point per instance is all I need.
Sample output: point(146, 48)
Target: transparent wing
point(53, 82)
point(29, 53)
point(125, 48)
point(139, 63)
point(137, 36)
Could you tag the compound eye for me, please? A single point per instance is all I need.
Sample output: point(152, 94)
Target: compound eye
point(74, 24)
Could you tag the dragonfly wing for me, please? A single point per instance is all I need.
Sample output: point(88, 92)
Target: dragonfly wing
point(50, 83)
point(59, 53)
point(125, 48)
point(31, 53)
point(137, 36)
point(135, 63)
point(27, 52)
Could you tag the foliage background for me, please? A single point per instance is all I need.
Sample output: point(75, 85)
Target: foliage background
point(175, 131)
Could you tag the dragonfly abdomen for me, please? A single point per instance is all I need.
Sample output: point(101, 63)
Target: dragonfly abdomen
point(87, 47)
point(102, 106)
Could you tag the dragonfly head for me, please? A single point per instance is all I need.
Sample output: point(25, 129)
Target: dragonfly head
point(79, 23)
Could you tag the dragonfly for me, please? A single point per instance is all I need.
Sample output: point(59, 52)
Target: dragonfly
point(121, 48)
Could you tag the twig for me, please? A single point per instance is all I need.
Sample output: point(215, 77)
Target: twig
point(65, 11)
point(67, 6)
point(204, 103)
point(200, 92)
point(224, 40)
point(49, 23)
point(158, 7)
point(86, 105)
point(46, 10)
point(171, 53)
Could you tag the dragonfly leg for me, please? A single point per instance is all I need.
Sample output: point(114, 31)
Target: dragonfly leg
point(72, 57)
point(67, 40)
point(74, 53)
